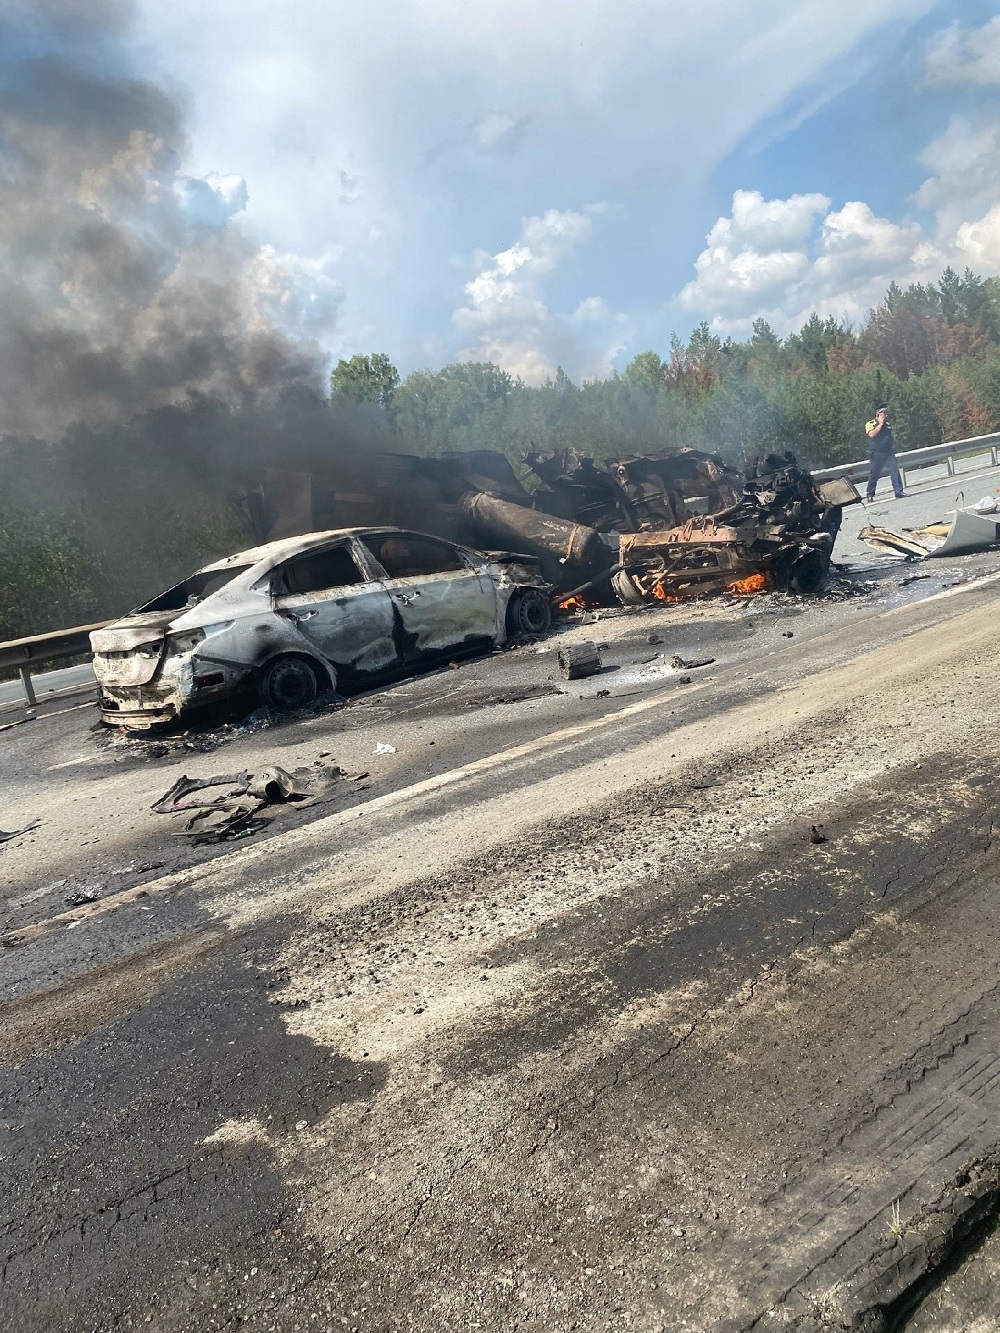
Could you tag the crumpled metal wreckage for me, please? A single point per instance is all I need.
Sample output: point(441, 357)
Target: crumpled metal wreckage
point(214, 816)
point(962, 533)
point(682, 525)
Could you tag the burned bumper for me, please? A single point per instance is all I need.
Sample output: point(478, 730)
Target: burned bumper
point(189, 684)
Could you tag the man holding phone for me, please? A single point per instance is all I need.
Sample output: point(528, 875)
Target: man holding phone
point(881, 453)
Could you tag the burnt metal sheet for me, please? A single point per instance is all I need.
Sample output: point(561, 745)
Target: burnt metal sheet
point(532, 531)
point(961, 534)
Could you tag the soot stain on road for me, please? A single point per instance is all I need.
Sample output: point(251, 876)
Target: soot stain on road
point(675, 932)
point(153, 1139)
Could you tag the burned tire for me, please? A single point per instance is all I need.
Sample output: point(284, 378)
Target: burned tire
point(529, 612)
point(288, 683)
point(807, 574)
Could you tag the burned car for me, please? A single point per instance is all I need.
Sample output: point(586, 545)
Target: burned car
point(289, 620)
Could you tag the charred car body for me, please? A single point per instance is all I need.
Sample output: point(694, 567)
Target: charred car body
point(307, 614)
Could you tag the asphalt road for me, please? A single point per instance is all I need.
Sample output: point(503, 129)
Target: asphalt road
point(560, 1015)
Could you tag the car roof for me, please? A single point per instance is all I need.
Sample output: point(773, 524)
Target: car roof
point(289, 546)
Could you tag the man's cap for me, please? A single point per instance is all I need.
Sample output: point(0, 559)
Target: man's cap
point(882, 407)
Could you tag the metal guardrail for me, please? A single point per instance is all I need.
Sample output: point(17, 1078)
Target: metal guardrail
point(38, 648)
point(917, 458)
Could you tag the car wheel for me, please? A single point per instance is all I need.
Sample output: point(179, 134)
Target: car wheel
point(807, 574)
point(288, 683)
point(529, 612)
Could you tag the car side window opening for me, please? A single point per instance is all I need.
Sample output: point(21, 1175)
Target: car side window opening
point(407, 557)
point(318, 570)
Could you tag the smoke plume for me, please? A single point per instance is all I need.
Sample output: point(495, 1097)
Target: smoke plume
point(124, 286)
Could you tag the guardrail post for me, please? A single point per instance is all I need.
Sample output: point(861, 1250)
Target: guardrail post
point(995, 455)
point(26, 685)
point(949, 463)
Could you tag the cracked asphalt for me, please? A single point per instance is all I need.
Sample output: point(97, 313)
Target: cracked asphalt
point(557, 1019)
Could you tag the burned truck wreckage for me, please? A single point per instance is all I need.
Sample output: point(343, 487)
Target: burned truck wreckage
point(680, 525)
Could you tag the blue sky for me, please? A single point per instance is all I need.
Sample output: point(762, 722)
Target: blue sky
point(567, 183)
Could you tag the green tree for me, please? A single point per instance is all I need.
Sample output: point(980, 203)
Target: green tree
point(458, 407)
point(646, 369)
point(364, 379)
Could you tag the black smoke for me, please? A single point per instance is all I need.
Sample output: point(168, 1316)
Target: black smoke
point(124, 286)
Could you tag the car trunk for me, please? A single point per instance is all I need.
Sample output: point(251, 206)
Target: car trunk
point(129, 653)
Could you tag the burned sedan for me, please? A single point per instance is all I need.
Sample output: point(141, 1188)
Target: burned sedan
point(289, 620)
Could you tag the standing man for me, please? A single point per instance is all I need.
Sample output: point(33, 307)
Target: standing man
point(881, 453)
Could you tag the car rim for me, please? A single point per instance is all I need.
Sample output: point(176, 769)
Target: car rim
point(532, 613)
point(291, 685)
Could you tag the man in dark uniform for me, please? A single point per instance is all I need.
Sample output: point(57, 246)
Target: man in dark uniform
point(881, 453)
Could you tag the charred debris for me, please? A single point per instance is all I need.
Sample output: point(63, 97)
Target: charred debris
point(669, 527)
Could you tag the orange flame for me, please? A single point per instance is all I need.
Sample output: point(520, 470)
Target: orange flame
point(573, 604)
point(751, 584)
point(662, 595)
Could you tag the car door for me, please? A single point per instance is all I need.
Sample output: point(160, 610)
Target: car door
point(337, 606)
point(442, 600)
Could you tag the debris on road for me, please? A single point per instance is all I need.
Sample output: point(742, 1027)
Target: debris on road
point(16, 833)
point(80, 897)
point(965, 531)
point(382, 748)
point(234, 813)
point(689, 664)
point(579, 660)
point(816, 834)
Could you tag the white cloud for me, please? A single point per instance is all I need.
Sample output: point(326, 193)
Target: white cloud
point(978, 243)
point(210, 201)
point(507, 318)
point(748, 261)
point(301, 296)
point(965, 164)
point(966, 55)
point(784, 258)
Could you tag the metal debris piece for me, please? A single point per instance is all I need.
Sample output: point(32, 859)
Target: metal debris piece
point(582, 659)
point(272, 785)
point(689, 664)
point(816, 834)
point(382, 748)
point(215, 824)
point(962, 533)
point(233, 812)
point(172, 800)
point(81, 897)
